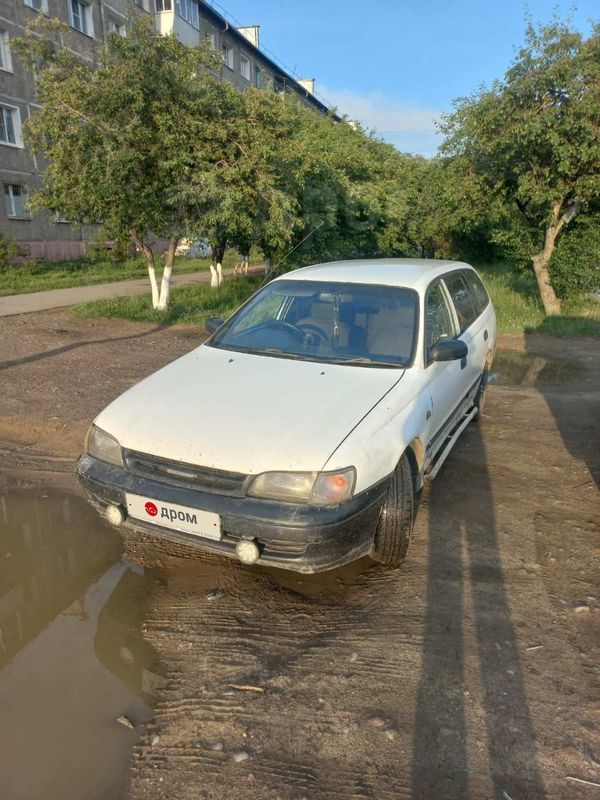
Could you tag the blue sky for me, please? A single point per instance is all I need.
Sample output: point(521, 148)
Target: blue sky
point(397, 65)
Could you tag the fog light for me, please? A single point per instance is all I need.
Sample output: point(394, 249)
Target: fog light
point(247, 552)
point(114, 515)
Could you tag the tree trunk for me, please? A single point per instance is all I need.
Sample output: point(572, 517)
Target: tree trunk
point(165, 285)
point(216, 268)
point(541, 260)
point(550, 301)
point(149, 256)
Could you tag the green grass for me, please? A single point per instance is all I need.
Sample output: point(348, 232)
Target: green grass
point(519, 309)
point(514, 295)
point(39, 276)
point(190, 305)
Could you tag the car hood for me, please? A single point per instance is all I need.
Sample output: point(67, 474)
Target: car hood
point(245, 413)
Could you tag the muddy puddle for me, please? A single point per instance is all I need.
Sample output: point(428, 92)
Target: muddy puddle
point(73, 658)
point(512, 368)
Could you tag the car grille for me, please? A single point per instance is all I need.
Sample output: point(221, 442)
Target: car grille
point(187, 476)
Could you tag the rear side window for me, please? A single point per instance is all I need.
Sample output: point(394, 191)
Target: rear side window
point(461, 297)
point(478, 291)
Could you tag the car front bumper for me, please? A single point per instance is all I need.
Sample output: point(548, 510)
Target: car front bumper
point(295, 537)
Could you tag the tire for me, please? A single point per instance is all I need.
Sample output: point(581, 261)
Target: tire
point(392, 537)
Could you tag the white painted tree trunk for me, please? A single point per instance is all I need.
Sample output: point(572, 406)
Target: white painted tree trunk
point(165, 289)
point(214, 277)
point(219, 274)
point(154, 285)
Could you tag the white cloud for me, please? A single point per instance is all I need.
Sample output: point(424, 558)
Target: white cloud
point(410, 127)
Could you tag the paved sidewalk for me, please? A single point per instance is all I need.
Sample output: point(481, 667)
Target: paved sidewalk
point(59, 298)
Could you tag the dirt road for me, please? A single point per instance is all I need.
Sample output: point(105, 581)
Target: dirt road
point(472, 671)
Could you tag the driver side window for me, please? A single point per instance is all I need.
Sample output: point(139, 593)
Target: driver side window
point(439, 323)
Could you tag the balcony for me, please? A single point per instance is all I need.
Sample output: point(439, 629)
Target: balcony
point(170, 22)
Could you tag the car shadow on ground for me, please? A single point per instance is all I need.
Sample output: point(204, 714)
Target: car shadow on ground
point(464, 577)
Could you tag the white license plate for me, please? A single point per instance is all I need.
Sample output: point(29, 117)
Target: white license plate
point(175, 517)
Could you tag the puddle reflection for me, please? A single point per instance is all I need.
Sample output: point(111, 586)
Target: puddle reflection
point(512, 368)
point(72, 654)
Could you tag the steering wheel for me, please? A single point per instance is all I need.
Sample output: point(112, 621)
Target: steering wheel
point(314, 330)
point(282, 325)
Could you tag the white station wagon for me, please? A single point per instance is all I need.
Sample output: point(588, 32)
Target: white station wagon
point(298, 434)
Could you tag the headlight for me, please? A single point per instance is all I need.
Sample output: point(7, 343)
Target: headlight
point(315, 488)
point(104, 447)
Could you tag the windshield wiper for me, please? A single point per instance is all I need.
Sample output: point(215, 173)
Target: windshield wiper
point(366, 362)
point(269, 351)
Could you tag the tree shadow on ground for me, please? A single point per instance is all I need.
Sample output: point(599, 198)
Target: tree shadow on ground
point(465, 571)
point(75, 346)
point(580, 432)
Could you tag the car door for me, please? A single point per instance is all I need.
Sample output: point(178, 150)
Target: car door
point(484, 308)
point(445, 379)
point(472, 328)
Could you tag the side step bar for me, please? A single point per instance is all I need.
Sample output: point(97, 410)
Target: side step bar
point(449, 443)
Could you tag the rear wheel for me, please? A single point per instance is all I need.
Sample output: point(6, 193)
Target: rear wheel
point(392, 537)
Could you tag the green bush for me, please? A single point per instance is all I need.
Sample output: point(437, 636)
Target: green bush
point(9, 250)
point(103, 249)
point(575, 265)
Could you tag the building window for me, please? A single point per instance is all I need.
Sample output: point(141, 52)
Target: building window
point(211, 38)
point(114, 26)
point(188, 10)
point(15, 201)
point(5, 59)
point(81, 17)
point(10, 126)
point(227, 56)
point(258, 79)
point(164, 5)
point(245, 66)
point(38, 5)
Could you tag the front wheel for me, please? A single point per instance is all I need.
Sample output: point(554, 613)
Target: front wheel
point(392, 537)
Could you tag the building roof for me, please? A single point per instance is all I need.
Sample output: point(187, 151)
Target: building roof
point(279, 71)
point(416, 273)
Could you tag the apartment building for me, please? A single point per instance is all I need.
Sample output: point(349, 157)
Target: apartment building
point(90, 21)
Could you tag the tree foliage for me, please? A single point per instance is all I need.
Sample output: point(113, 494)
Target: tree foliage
point(528, 148)
point(150, 143)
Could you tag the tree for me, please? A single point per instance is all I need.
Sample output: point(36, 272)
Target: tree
point(529, 147)
point(256, 201)
point(137, 142)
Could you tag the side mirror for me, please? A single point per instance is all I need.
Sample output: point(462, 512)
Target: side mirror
point(448, 350)
point(213, 324)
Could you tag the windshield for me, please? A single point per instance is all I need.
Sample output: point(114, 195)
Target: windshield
point(348, 323)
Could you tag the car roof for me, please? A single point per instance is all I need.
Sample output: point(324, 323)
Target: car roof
point(413, 273)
